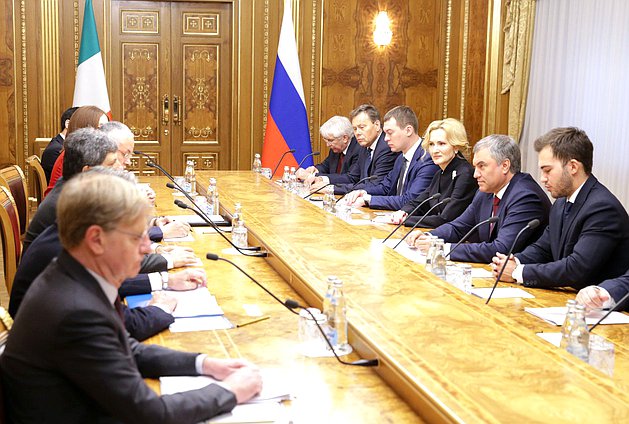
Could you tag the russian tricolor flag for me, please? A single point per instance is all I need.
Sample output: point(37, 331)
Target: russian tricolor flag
point(287, 124)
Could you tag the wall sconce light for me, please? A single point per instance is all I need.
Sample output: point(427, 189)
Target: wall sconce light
point(382, 34)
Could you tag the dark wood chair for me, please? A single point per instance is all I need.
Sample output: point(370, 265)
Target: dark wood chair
point(12, 177)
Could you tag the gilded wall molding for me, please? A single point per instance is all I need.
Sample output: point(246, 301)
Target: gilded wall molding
point(446, 69)
point(75, 27)
point(466, 18)
point(24, 79)
point(313, 61)
point(50, 68)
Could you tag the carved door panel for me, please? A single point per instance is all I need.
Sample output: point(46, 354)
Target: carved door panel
point(171, 67)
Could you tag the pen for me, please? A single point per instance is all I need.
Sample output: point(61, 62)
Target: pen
point(252, 321)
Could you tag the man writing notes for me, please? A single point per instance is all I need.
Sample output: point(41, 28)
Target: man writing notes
point(505, 192)
point(413, 169)
point(587, 239)
point(339, 137)
point(68, 358)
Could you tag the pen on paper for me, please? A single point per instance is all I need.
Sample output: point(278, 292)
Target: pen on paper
point(252, 321)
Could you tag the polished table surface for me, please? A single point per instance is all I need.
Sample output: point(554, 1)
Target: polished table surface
point(447, 354)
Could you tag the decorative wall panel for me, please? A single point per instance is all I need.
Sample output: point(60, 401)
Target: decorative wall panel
point(201, 94)
point(140, 22)
point(201, 24)
point(140, 90)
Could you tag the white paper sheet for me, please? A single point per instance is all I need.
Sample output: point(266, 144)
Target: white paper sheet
point(552, 338)
point(403, 249)
point(195, 219)
point(481, 273)
point(177, 239)
point(556, 316)
point(502, 293)
point(195, 303)
point(186, 325)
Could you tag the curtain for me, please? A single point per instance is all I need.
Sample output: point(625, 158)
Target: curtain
point(518, 30)
point(579, 77)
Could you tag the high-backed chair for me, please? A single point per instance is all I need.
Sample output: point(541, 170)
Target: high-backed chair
point(10, 234)
point(5, 326)
point(12, 177)
point(36, 179)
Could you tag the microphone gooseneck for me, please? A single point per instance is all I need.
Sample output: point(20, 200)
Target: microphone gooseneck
point(280, 161)
point(317, 190)
point(531, 225)
point(443, 202)
point(369, 178)
point(615, 308)
point(306, 157)
point(434, 196)
point(490, 220)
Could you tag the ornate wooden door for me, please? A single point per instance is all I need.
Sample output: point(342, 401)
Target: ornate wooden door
point(171, 64)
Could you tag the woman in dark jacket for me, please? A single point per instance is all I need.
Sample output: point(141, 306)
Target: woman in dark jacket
point(444, 140)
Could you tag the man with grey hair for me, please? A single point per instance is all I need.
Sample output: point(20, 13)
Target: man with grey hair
point(84, 148)
point(504, 191)
point(69, 359)
point(338, 135)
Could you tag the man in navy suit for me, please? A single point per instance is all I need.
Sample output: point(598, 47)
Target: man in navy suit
point(413, 169)
point(587, 238)
point(339, 137)
point(505, 192)
point(375, 158)
point(52, 151)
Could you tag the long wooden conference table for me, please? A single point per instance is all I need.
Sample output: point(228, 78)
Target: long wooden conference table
point(444, 355)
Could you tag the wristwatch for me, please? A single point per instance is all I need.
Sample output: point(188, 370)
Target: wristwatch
point(164, 276)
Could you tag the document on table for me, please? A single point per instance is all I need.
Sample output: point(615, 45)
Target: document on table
point(552, 338)
point(195, 303)
point(187, 325)
point(502, 293)
point(405, 250)
point(175, 239)
point(557, 315)
point(195, 220)
point(481, 273)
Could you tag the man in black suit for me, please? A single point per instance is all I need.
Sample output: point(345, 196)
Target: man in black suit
point(587, 238)
point(339, 137)
point(505, 192)
point(68, 357)
point(52, 151)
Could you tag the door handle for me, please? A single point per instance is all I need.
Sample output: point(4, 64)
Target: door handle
point(176, 111)
point(165, 110)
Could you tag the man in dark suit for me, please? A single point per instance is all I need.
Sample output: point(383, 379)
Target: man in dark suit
point(505, 192)
point(68, 357)
point(587, 238)
point(413, 169)
point(375, 158)
point(339, 136)
point(52, 151)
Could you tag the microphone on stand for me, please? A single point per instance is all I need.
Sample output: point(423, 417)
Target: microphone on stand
point(291, 305)
point(615, 308)
point(306, 157)
point(243, 250)
point(372, 177)
point(318, 190)
point(280, 161)
point(491, 220)
point(198, 210)
point(531, 225)
point(443, 202)
point(434, 196)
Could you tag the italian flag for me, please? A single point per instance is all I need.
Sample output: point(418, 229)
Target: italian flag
point(90, 87)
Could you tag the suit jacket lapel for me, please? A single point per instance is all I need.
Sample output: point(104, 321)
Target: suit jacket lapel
point(568, 222)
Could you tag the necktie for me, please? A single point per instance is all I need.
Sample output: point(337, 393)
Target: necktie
point(367, 164)
point(566, 209)
point(400, 180)
point(340, 164)
point(118, 306)
point(494, 212)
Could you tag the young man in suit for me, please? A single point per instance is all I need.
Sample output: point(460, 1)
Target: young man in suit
point(587, 238)
point(52, 151)
point(505, 192)
point(68, 357)
point(413, 169)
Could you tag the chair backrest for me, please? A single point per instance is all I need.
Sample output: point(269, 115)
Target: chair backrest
point(10, 234)
point(12, 177)
point(37, 177)
point(5, 326)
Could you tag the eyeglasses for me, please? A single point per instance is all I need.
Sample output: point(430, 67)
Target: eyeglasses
point(331, 140)
point(126, 156)
point(136, 236)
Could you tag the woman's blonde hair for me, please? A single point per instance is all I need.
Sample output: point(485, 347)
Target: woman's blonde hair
point(455, 134)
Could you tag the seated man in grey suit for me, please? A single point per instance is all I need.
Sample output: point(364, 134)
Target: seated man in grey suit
point(587, 238)
point(69, 359)
point(503, 191)
point(339, 137)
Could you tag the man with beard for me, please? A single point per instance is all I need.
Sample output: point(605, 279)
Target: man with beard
point(587, 237)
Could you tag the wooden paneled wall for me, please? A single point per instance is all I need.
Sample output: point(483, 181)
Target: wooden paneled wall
point(443, 61)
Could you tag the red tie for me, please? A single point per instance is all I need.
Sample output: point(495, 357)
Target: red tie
point(340, 164)
point(494, 212)
point(118, 306)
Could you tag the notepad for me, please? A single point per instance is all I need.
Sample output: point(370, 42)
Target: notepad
point(557, 315)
